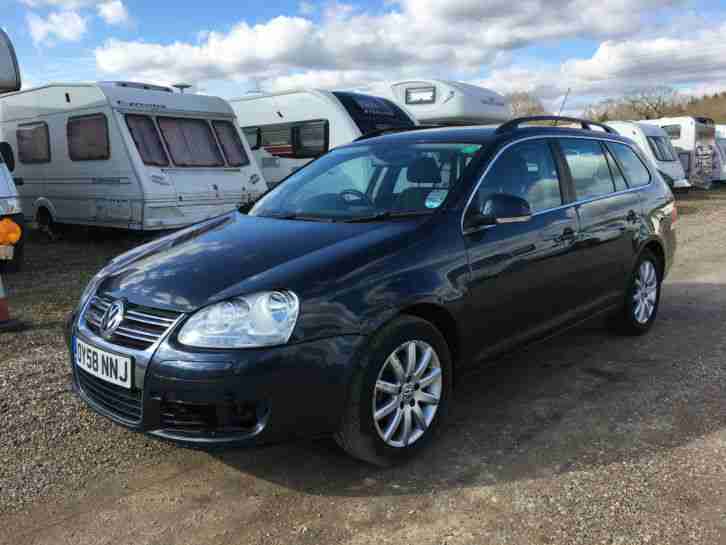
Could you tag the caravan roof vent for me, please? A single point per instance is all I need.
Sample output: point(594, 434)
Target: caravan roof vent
point(138, 85)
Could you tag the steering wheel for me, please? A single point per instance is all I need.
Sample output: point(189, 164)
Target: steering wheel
point(349, 196)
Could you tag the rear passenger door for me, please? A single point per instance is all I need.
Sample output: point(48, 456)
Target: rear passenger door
point(609, 217)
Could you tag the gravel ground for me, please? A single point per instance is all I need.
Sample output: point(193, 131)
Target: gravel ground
point(587, 438)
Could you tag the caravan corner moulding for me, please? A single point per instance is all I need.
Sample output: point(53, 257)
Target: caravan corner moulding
point(127, 155)
point(440, 102)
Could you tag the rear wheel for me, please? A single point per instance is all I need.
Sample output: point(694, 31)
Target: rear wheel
point(399, 399)
point(643, 296)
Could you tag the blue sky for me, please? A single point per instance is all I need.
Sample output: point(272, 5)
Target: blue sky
point(598, 49)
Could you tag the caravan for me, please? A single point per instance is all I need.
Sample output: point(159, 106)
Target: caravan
point(289, 129)
point(439, 102)
point(697, 137)
point(9, 202)
point(126, 155)
point(656, 145)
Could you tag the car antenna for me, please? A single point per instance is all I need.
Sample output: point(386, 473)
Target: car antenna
point(562, 106)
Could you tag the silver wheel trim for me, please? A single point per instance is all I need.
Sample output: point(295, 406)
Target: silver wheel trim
point(407, 393)
point(645, 294)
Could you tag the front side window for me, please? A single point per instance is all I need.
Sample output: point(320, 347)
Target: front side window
point(231, 143)
point(635, 171)
point(662, 148)
point(588, 167)
point(147, 140)
point(526, 170)
point(88, 138)
point(33, 143)
point(369, 180)
point(190, 142)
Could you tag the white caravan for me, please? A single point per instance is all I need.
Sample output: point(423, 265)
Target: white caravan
point(126, 155)
point(440, 102)
point(9, 202)
point(721, 139)
point(656, 145)
point(289, 129)
point(697, 136)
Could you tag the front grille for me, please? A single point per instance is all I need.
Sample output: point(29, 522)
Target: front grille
point(115, 399)
point(141, 327)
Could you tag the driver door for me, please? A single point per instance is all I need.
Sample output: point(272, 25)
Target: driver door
point(521, 274)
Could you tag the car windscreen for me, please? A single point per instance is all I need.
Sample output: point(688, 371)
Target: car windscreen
point(372, 180)
point(373, 114)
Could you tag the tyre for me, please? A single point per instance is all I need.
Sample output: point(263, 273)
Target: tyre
point(399, 397)
point(642, 298)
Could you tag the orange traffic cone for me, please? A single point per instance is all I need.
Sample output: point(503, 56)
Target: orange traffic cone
point(6, 324)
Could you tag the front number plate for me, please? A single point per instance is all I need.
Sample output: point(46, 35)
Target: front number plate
point(112, 368)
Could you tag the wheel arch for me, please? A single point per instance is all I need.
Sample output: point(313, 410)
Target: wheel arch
point(656, 248)
point(442, 320)
point(43, 204)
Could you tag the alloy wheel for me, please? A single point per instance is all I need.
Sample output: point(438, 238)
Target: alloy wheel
point(645, 295)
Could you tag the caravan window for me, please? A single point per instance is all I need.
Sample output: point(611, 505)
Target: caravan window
point(231, 143)
point(145, 136)
point(88, 138)
point(421, 95)
point(33, 143)
point(190, 142)
point(252, 134)
point(673, 131)
point(299, 140)
point(662, 148)
point(373, 114)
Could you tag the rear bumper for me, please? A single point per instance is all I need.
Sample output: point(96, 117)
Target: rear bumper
point(249, 397)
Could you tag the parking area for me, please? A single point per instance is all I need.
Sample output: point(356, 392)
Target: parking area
point(585, 438)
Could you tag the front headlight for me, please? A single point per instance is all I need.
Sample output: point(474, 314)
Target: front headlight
point(261, 319)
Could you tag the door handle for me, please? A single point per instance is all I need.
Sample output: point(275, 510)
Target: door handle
point(632, 217)
point(568, 235)
point(18, 181)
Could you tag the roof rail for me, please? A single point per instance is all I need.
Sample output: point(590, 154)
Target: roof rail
point(586, 123)
point(381, 132)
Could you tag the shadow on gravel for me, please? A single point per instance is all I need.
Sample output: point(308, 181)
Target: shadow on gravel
point(585, 399)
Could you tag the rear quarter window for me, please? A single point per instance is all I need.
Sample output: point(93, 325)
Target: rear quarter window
point(633, 167)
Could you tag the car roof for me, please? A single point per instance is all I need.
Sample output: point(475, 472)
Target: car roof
point(480, 135)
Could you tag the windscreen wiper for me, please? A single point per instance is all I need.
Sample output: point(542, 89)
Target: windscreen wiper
point(380, 216)
point(298, 217)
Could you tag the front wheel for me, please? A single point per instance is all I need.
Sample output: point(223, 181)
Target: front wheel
point(399, 398)
point(643, 296)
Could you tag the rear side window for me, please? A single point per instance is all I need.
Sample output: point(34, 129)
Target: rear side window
point(635, 171)
point(620, 183)
point(662, 148)
point(190, 142)
point(373, 113)
point(33, 143)
point(231, 143)
point(88, 138)
point(525, 170)
point(588, 167)
point(147, 140)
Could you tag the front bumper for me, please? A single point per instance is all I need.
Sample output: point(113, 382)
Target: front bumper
point(243, 397)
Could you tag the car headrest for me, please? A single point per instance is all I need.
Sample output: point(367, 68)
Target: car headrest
point(424, 170)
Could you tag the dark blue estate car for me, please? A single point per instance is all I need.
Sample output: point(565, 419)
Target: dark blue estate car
point(353, 293)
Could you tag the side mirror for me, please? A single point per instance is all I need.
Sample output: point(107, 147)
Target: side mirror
point(501, 208)
point(7, 153)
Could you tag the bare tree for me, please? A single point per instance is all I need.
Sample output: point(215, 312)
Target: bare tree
point(524, 104)
point(654, 102)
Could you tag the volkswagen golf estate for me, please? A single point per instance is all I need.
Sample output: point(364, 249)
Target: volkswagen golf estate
point(351, 296)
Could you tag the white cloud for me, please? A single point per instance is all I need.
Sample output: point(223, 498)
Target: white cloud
point(460, 37)
point(67, 26)
point(113, 12)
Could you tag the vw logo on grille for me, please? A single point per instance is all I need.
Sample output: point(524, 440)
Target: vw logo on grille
point(112, 319)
